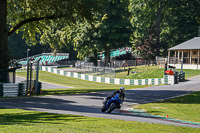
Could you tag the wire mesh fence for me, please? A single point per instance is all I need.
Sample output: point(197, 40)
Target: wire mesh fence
point(98, 71)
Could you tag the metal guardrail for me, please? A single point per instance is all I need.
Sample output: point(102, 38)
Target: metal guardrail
point(12, 89)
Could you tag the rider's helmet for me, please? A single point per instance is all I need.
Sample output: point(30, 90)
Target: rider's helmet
point(122, 89)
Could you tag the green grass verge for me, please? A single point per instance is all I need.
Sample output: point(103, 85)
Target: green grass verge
point(182, 108)
point(144, 72)
point(79, 86)
point(23, 121)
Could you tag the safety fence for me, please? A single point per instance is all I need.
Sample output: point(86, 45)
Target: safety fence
point(12, 89)
point(167, 79)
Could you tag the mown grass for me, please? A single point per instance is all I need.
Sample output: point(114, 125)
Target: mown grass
point(144, 72)
point(182, 108)
point(23, 121)
point(79, 86)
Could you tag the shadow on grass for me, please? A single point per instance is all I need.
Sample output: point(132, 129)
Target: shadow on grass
point(26, 118)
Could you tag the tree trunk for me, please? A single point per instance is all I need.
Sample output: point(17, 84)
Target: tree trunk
point(95, 57)
point(159, 10)
point(107, 55)
point(4, 55)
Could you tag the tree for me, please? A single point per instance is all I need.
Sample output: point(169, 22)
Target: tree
point(175, 22)
point(4, 56)
point(33, 17)
point(111, 29)
point(84, 37)
point(146, 46)
point(115, 28)
point(182, 21)
point(145, 16)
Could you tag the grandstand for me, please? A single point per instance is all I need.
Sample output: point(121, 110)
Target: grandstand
point(116, 53)
point(46, 58)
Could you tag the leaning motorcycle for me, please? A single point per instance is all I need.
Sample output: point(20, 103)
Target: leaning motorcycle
point(111, 104)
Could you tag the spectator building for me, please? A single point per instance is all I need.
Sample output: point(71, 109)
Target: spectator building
point(188, 52)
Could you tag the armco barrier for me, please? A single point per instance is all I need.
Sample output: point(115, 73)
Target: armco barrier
point(167, 79)
point(12, 89)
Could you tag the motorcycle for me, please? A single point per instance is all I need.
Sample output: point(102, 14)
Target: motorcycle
point(111, 104)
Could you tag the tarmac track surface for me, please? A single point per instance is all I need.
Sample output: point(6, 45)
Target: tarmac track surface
point(90, 104)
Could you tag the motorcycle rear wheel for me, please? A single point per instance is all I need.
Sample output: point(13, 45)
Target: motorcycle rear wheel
point(112, 107)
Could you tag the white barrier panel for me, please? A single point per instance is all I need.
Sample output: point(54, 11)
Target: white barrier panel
point(49, 69)
point(90, 78)
point(127, 82)
point(61, 72)
point(55, 71)
point(43, 68)
point(98, 79)
point(116, 81)
point(68, 74)
point(107, 80)
point(143, 81)
point(75, 75)
point(171, 79)
point(149, 81)
point(156, 81)
point(162, 80)
point(136, 82)
point(83, 76)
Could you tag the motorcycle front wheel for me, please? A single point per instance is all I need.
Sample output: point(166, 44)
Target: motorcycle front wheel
point(103, 109)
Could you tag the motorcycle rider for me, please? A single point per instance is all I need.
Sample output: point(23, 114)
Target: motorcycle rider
point(121, 96)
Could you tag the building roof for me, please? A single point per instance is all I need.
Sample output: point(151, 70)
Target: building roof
point(190, 44)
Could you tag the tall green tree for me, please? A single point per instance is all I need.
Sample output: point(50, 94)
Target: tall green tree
point(175, 21)
point(147, 15)
point(34, 16)
point(111, 29)
point(115, 28)
point(182, 21)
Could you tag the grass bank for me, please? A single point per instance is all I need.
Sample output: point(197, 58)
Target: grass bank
point(182, 108)
point(144, 72)
point(79, 86)
point(23, 121)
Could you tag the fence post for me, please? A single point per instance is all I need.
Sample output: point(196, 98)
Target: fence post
point(37, 91)
point(181, 65)
point(27, 77)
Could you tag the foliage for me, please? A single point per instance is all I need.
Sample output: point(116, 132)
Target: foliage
point(115, 29)
point(146, 46)
point(111, 28)
point(61, 23)
point(18, 48)
point(175, 22)
point(34, 17)
point(84, 38)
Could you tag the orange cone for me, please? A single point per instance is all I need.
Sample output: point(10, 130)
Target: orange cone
point(167, 116)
